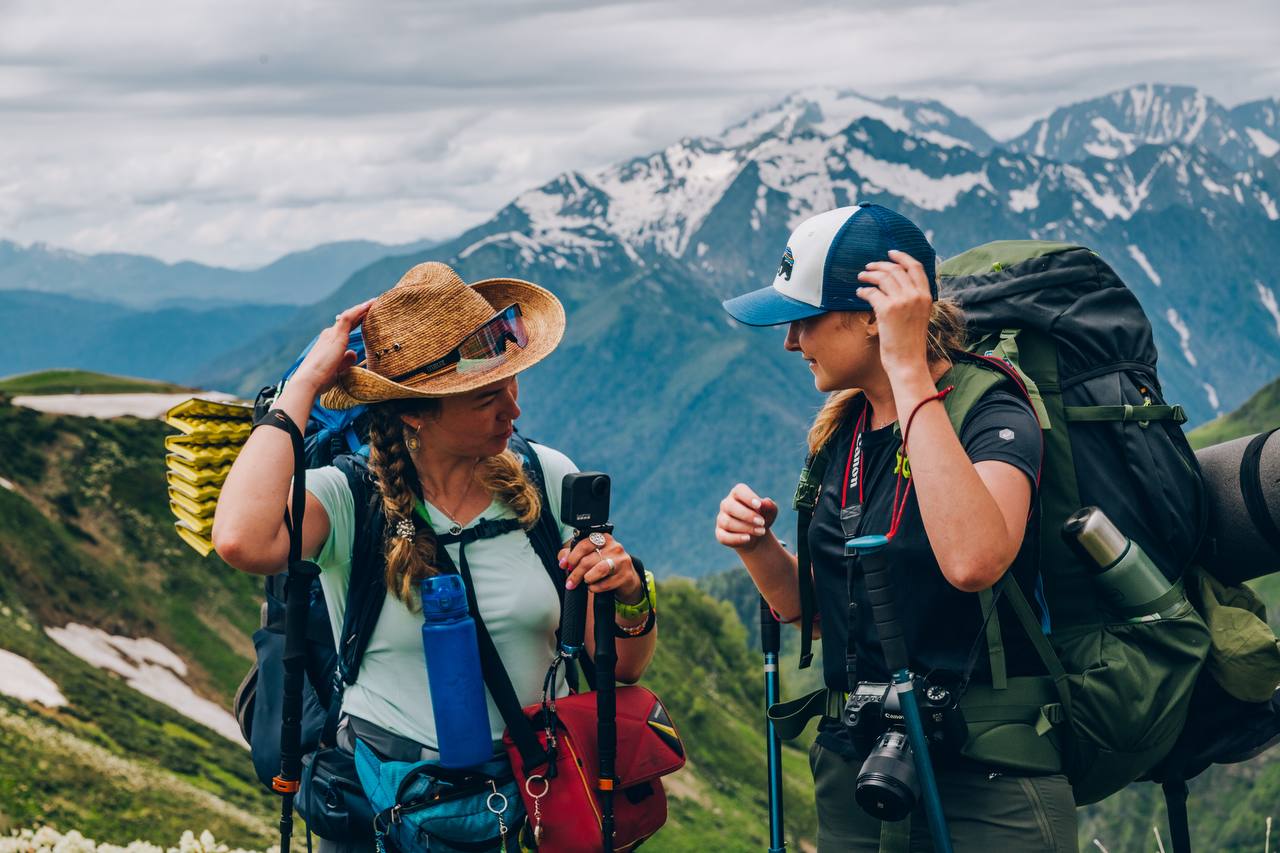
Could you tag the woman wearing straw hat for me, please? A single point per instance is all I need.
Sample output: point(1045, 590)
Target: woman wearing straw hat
point(440, 383)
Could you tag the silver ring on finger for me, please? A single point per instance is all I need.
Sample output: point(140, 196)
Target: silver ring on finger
point(613, 567)
point(597, 539)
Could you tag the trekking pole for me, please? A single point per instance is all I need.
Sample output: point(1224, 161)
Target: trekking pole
point(606, 711)
point(770, 642)
point(880, 591)
point(301, 574)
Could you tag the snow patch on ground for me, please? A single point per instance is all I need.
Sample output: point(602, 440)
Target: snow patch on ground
point(1212, 394)
point(1266, 146)
point(23, 680)
point(912, 184)
point(112, 405)
point(1268, 297)
point(1141, 259)
point(148, 667)
point(1184, 334)
point(1027, 198)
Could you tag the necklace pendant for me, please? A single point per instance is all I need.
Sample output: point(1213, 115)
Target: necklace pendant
point(455, 529)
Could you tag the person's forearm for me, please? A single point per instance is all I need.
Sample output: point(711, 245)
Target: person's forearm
point(635, 653)
point(966, 529)
point(774, 568)
point(251, 504)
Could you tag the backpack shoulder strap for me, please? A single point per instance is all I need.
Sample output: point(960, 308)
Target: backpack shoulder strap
point(804, 502)
point(545, 538)
point(367, 588)
point(545, 533)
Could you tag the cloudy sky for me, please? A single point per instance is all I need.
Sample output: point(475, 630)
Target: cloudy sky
point(231, 132)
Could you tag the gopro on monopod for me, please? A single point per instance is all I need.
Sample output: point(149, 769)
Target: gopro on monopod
point(584, 499)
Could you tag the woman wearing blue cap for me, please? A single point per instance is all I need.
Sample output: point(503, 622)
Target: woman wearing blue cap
point(857, 287)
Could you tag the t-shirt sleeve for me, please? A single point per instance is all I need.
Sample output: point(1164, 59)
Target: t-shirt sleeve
point(554, 466)
point(1003, 428)
point(329, 486)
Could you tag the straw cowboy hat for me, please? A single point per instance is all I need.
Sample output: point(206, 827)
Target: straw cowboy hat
point(424, 318)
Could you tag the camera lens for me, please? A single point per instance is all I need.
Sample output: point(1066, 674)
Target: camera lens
point(600, 487)
point(887, 787)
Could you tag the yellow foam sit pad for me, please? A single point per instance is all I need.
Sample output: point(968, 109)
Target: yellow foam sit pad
point(189, 472)
point(200, 509)
point(203, 526)
point(200, 408)
point(207, 492)
point(225, 430)
point(201, 450)
point(200, 543)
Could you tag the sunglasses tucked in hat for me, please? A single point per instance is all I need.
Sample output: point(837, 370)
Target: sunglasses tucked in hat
point(819, 270)
point(432, 335)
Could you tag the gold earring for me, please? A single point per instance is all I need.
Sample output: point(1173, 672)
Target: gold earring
point(412, 442)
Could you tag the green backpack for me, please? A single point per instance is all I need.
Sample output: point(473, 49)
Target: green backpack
point(1053, 322)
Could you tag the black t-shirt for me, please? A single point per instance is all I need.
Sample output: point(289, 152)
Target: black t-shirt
point(940, 623)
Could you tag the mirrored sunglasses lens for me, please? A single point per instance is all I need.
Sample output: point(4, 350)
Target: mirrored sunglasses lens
point(487, 348)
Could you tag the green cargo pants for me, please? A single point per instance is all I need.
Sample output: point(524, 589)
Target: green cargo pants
point(984, 814)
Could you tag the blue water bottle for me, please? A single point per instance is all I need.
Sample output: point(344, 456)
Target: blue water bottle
point(453, 674)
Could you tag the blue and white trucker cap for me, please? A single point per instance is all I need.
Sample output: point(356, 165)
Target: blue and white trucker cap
point(819, 270)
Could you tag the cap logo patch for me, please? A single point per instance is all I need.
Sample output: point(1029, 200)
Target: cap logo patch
point(788, 263)
point(1006, 434)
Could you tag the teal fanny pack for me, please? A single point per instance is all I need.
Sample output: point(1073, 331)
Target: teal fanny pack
point(422, 806)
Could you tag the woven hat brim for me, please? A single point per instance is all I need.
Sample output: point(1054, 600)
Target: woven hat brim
point(544, 321)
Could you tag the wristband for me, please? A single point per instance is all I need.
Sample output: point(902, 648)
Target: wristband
point(637, 611)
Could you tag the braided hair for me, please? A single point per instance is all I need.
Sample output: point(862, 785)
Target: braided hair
point(410, 559)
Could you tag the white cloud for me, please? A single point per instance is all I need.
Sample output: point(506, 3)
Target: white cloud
point(232, 131)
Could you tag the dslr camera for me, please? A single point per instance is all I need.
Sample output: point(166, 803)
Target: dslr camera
point(887, 787)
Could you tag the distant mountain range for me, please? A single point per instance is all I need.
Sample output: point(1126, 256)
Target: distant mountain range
point(141, 282)
point(655, 384)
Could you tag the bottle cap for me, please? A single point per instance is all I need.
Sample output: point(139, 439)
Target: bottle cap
point(1101, 540)
point(443, 597)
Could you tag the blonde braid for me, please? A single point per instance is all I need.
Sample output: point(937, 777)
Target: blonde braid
point(408, 560)
point(504, 477)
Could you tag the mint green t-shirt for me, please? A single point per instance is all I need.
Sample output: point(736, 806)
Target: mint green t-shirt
point(516, 598)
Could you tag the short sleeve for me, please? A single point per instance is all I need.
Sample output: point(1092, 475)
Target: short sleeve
point(554, 466)
point(329, 486)
point(1003, 428)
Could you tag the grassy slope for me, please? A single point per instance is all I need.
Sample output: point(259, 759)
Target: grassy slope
point(85, 536)
point(1260, 412)
point(82, 382)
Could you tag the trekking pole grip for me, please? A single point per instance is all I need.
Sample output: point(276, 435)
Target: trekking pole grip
point(573, 620)
point(770, 635)
point(875, 569)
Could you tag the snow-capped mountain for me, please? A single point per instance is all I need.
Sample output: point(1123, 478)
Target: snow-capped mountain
point(654, 380)
point(1117, 124)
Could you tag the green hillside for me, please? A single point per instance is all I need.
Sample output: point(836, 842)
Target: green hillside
point(1260, 412)
point(85, 536)
point(82, 382)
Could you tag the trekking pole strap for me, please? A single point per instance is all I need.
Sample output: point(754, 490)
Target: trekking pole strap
point(1175, 803)
point(280, 419)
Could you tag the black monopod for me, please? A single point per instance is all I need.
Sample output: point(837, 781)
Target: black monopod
point(770, 642)
point(584, 504)
point(880, 591)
